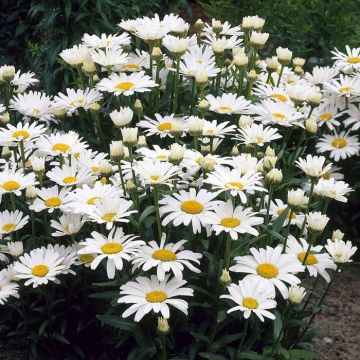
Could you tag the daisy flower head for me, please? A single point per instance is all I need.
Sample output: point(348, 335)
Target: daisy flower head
point(344, 86)
point(23, 80)
point(125, 84)
point(115, 248)
point(315, 262)
point(328, 113)
point(68, 255)
point(146, 294)
point(76, 55)
point(313, 166)
point(228, 104)
point(7, 287)
point(109, 211)
point(252, 297)
point(279, 113)
point(51, 199)
point(136, 62)
point(277, 94)
point(61, 144)
point(13, 181)
point(70, 175)
point(187, 207)
point(348, 61)
point(163, 125)
point(105, 40)
point(232, 181)
point(39, 267)
point(154, 173)
point(109, 58)
point(271, 266)
point(166, 257)
point(321, 75)
point(340, 145)
point(76, 99)
point(257, 134)
point(234, 221)
point(353, 120)
point(25, 132)
point(176, 45)
point(226, 29)
point(332, 189)
point(11, 221)
point(213, 129)
point(33, 105)
point(340, 251)
point(246, 162)
point(68, 224)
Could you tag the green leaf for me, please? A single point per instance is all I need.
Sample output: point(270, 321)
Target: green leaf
point(149, 210)
point(251, 355)
point(277, 325)
point(302, 354)
point(212, 356)
point(43, 327)
point(118, 322)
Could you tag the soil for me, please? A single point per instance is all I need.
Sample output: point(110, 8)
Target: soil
point(340, 320)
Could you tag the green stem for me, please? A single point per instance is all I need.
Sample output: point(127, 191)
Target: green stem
point(176, 85)
point(158, 220)
point(22, 152)
point(271, 190)
point(308, 205)
point(163, 347)
point(288, 230)
point(121, 177)
point(246, 326)
point(13, 202)
point(227, 252)
point(280, 75)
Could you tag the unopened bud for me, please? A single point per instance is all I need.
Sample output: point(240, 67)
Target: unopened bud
point(225, 278)
point(4, 118)
point(199, 25)
point(130, 186)
point(156, 54)
point(163, 325)
point(337, 235)
point(311, 126)
point(30, 194)
point(234, 151)
point(105, 168)
point(274, 176)
point(8, 72)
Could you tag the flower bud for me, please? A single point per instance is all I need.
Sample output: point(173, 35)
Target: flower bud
point(204, 105)
point(240, 60)
point(176, 154)
point(234, 151)
point(138, 108)
point(38, 164)
point(296, 294)
point(195, 125)
point(217, 28)
point(297, 199)
point(88, 67)
point(15, 248)
point(5, 118)
point(130, 136)
point(207, 164)
point(8, 72)
point(225, 278)
point(298, 70)
point(284, 55)
point(95, 107)
point(105, 168)
point(270, 151)
point(130, 186)
point(258, 39)
point(163, 325)
point(141, 142)
point(5, 153)
point(116, 150)
point(274, 176)
point(272, 63)
point(311, 126)
point(201, 78)
point(30, 194)
point(122, 117)
point(251, 75)
point(245, 120)
point(269, 162)
point(199, 25)
point(298, 62)
point(176, 129)
point(316, 222)
point(156, 54)
point(59, 113)
point(337, 235)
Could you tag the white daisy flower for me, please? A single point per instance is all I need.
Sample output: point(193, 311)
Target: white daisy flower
point(151, 294)
point(213, 129)
point(235, 221)
point(246, 162)
point(187, 207)
point(166, 257)
point(7, 287)
point(175, 44)
point(321, 75)
point(279, 113)
point(347, 61)
point(340, 251)
point(109, 58)
point(252, 296)
point(344, 86)
point(68, 255)
point(332, 189)
point(70, 175)
point(232, 181)
point(68, 224)
point(327, 113)
point(13, 181)
point(23, 80)
point(226, 29)
point(105, 40)
point(270, 265)
point(108, 211)
point(316, 262)
point(257, 134)
point(11, 221)
point(228, 104)
point(21, 132)
point(136, 62)
point(14, 248)
point(34, 104)
point(341, 146)
point(75, 99)
point(313, 166)
point(76, 55)
point(156, 172)
point(277, 94)
point(51, 199)
point(115, 248)
point(124, 84)
point(354, 117)
point(39, 267)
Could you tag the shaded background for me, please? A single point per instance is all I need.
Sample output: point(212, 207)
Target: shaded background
point(32, 33)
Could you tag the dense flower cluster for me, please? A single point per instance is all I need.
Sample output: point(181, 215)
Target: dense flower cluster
point(173, 153)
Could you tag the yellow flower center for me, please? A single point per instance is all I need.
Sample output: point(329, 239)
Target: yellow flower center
point(132, 66)
point(92, 200)
point(279, 116)
point(310, 260)
point(166, 126)
point(259, 139)
point(339, 142)
point(230, 222)
point(76, 155)
point(95, 169)
point(234, 184)
point(37, 112)
point(164, 255)
point(250, 303)
point(353, 59)
point(345, 89)
point(326, 176)
point(161, 157)
point(156, 296)
point(154, 177)
point(125, 86)
point(8, 227)
point(279, 97)
point(20, 134)
point(267, 271)
point(86, 258)
point(70, 180)
point(225, 108)
point(108, 217)
point(111, 248)
point(40, 270)
point(103, 180)
point(53, 202)
point(199, 160)
point(60, 147)
point(192, 207)
point(325, 117)
point(293, 215)
point(76, 103)
point(10, 185)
